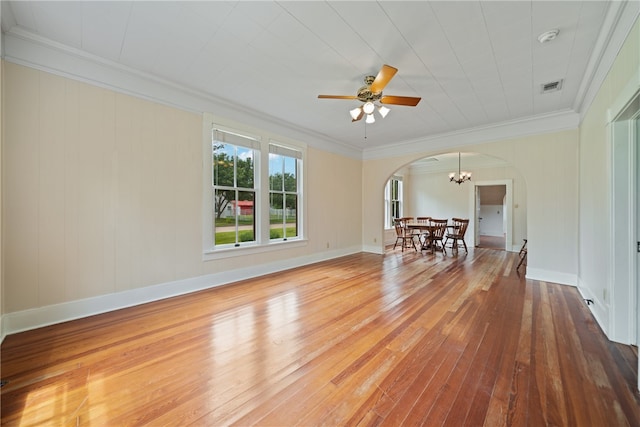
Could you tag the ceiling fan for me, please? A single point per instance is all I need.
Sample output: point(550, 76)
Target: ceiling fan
point(371, 92)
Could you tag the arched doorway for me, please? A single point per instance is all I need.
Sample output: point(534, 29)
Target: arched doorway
point(427, 191)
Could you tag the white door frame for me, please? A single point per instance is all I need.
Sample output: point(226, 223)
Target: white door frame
point(508, 183)
point(623, 312)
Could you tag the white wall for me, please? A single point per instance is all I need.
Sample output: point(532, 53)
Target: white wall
point(102, 203)
point(595, 244)
point(492, 220)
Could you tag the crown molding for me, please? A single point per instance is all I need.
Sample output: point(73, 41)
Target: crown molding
point(28, 49)
point(619, 21)
point(534, 125)
point(470, 164)
point(31, 50)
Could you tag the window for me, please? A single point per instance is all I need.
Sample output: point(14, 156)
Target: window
point(283, 192)
point(253, 191)
point(234, 193)
point(393, 200)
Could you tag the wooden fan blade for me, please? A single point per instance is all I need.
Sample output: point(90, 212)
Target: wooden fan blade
point(400, 100)
point(359, 116)
point(385, 74)
point(337, 97)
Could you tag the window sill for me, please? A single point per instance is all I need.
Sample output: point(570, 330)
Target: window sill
point(215, 254)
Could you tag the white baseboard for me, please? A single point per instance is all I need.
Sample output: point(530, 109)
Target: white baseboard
point(551, 276)
point(57, 313)
point(599, 309)
point(374, 249)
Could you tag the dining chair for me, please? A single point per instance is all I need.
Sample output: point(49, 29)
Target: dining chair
point(456, 233)
point(404, 235)
point(522, 254)
point(423, 234)
point(438, 229)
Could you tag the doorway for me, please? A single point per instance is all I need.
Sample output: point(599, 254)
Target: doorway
point(492, 218)
point(492, 203)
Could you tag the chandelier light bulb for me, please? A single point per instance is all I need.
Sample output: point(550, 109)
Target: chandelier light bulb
point(383, 111)
point(368, 107)
point(355, 113)
point(370, 118)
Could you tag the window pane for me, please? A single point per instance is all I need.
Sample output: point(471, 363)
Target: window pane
point(276, 215)
point(290, 174)
point(395, 209)
point(291, 215)
point(245, 167)
point(225, 217)
point(223, 164)
point(276, 166)
point(246, 218)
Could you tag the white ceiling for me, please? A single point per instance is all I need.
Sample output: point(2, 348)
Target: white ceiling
point(474, 63)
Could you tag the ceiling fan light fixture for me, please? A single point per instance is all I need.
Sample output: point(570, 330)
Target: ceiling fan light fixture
point(370, 119)
point(383, 111)
point(355, 113)
point(368, 107)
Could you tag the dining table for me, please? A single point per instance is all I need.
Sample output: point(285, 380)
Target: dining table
point(425, 230)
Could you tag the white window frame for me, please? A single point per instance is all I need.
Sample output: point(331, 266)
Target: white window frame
point(252, 144)
point(280, 149)
point(388, 214)
point(261, 161)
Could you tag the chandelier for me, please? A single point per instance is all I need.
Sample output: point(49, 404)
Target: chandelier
point(368, 108)
point(462, 175)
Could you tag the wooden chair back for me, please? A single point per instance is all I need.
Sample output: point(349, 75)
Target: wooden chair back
point(423, 219)
point(439, 228)
point(399, 224)
point(459, 227)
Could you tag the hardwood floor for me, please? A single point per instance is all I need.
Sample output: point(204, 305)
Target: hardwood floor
point(397, 339)
point(491, 242)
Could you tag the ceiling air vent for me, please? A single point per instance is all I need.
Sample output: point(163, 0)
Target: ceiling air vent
point(551, 86)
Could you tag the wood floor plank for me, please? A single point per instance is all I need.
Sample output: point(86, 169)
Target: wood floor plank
point(403, 338)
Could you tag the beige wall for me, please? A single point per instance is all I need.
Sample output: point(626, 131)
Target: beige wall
point(595, 181)
point(103, 193)
point(549, 167)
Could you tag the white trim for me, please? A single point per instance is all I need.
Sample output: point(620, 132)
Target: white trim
point(551, 276)
point(622, 274)
point(598, 309)
point(626, 97)
point(620, 19)
point(25, 48)
point(508, 183)
point(374, 249)
point(536, 125)
point(48, 315)
point(210, 255)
